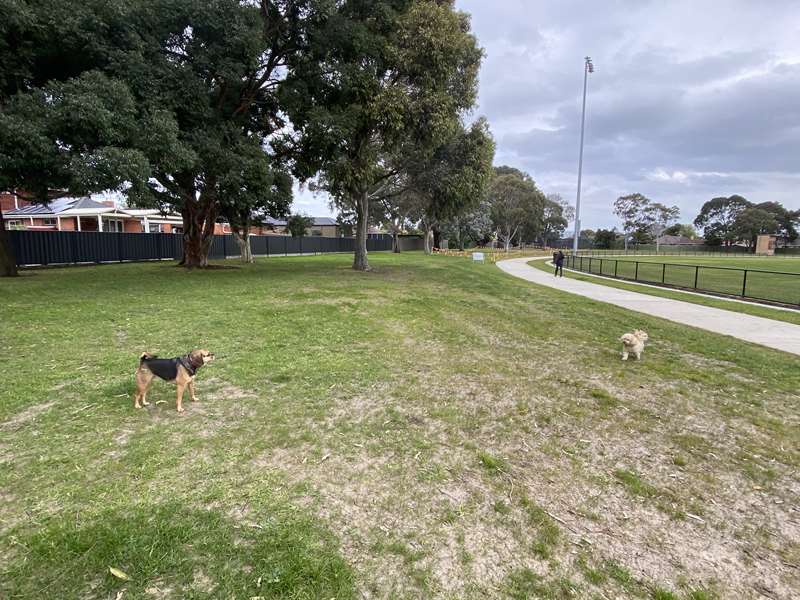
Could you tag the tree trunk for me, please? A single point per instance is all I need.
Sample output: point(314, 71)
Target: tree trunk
point(428, 240)
point(199, 217)
point(242, 238)
point(395, 242)
point(437, 237)
point(360, 262)
point(8, 263)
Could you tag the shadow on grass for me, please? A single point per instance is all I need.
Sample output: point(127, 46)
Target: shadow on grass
point(171, 552)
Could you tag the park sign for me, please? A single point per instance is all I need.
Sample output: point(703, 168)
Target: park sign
point(477, 256)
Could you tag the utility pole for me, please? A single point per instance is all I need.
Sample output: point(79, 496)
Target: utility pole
point(588, 67)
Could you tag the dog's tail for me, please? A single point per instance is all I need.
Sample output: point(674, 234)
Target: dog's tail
point(146, 356)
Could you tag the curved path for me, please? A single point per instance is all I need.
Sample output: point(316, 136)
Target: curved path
point(758, 330)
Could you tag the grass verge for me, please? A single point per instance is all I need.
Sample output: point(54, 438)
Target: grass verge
point(432, 429)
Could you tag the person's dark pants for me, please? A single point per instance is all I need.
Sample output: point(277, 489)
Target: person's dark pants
point(559, 267)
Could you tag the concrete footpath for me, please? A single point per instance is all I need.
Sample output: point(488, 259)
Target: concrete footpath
point(758, 330)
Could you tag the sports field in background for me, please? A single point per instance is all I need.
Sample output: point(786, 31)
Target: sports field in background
point(768, 278)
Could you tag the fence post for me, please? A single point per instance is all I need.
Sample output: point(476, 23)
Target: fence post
point(636, 272)
point(663, 272)
point(590, 264)
point(301, 245)
point(616, 264)
point(119, 246)
point(696, 272)
point(601, 266)
point(224, 245)
point(744, 284)
point(286, 245)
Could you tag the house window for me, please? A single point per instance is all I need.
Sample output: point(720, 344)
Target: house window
point(14, 224)
point(177, 230)
point(114, 225)
point(316, 232)
point(154, 228)
point(49, 222)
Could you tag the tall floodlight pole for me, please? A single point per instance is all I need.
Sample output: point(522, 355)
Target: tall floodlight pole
point(588, 67)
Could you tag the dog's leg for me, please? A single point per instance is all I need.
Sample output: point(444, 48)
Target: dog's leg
point(143, 380)
point(181, 387)
point(144, 390)
point(191, 390)
point(624, 354)
point(638, 356)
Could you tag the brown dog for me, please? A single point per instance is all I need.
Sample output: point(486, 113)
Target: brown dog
point(181, 370)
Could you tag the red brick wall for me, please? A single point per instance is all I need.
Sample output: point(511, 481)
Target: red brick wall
point(6, 201)
point(132, 226)
point(68, 224)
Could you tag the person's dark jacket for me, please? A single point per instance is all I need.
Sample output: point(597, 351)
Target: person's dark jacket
point(560, 259)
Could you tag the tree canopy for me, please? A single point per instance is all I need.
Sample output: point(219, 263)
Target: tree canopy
point(642, 219)
point(516, 205)
point(379, 80)
point(297, 224)
point(717, 217)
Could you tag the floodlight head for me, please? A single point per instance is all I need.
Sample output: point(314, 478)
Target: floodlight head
point(589, 64)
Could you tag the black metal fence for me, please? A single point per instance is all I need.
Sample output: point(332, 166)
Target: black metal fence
point(755, 284)
point(73, 247)
point(650, 250)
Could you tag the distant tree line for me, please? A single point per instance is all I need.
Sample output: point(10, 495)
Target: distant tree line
point(723, 221)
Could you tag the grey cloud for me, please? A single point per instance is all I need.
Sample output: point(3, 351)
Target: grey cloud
point(710, 90)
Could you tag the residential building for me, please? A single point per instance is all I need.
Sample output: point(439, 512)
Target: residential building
point(86, 214)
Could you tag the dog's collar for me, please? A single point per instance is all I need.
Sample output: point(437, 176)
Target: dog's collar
point(187, 363)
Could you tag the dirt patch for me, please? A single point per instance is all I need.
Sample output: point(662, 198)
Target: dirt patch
point(419, 515)
point(26, 416)
point(202, 582)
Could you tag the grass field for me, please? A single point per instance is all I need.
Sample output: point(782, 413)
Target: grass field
point(751, 308)
point(776, 279)
point(434, 429)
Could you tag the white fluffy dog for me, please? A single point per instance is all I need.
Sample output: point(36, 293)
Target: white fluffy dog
point(633, 343)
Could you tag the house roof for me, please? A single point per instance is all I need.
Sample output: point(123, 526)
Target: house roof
point(317, 221)
point(61, 206)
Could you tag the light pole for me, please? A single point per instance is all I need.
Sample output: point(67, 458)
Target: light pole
point(588, 67)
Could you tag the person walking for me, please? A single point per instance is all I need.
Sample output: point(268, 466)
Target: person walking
point(559, 261)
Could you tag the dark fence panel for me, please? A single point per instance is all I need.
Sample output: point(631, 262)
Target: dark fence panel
point(76, 247)
point(650, 250)
point(754, 284)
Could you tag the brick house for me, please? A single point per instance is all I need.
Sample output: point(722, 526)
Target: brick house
point(320, 227)
point(86, 214)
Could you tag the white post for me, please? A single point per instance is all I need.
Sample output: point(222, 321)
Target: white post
point(587, 68)
point(146, 226)
point(78, 217)
point(58, 223)
point(99, 222)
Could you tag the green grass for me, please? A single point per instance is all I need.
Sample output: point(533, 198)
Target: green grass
point(434, 429)
point(790, 316)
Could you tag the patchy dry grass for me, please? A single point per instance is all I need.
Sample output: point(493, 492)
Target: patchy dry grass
point(432, 429)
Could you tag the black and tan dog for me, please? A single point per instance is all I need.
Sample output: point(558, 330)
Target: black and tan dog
point(181, 370)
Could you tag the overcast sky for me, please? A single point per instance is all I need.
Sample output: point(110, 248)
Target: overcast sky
point(689, 100)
